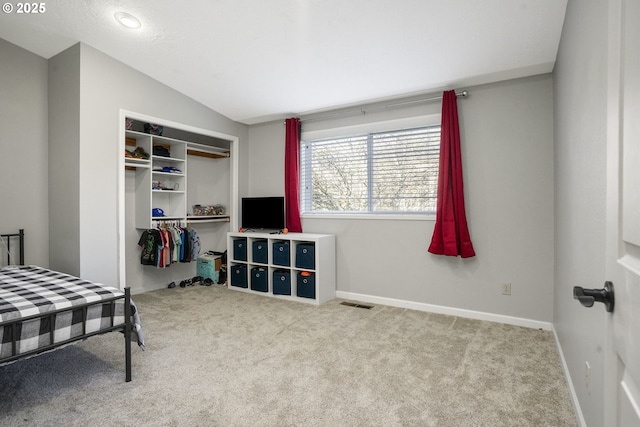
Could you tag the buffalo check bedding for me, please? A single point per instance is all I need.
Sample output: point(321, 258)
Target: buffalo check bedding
point(32, 292)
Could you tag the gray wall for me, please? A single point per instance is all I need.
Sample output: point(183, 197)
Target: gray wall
point(580, 88)
point(23, 143)
point(105, 87)
point(507, 145)
point(64, 161)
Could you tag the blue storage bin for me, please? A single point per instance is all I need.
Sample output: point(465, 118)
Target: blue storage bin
point(306, 285)
point(260, 252)
point(281, 254)
point(282, 282)
point(239, 275)
point(259, 279)
point(240, 249)
point(306, 255)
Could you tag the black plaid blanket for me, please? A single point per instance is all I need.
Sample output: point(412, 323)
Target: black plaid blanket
point(28, 291)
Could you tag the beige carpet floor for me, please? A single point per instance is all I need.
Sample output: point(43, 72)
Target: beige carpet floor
point(217, 357)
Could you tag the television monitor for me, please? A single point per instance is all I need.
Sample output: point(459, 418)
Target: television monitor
point(262, 213)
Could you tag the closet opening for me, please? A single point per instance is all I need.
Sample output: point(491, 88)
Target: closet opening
point(172, 173)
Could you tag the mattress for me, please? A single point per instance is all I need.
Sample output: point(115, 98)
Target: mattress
point(33, 294)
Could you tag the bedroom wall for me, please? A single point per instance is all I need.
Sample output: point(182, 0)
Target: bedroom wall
point(64, 161)
point(105, 87)
point(580, 78)
point(23, 163)
point(507, 144)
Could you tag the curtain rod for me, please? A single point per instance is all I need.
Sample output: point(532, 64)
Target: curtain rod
point(462, 94)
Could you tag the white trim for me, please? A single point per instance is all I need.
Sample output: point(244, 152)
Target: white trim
point(574, 397)
point(451, 311)
point(176, 125)
point(371, 127)
point(342, 215)
point(121, 248)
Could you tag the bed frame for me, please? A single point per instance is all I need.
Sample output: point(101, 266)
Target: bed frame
point(125, 327)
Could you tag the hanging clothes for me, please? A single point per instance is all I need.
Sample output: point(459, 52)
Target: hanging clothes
point(150, 241)
point(195, 244)
point(187, 245)
point(168, 244)
point(177, 242)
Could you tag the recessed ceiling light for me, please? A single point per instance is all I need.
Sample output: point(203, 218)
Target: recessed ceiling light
point(128, 20)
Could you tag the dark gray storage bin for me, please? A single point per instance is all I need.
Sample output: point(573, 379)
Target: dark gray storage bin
point(260, 251)
point(240, 249)
point(306, 285)
point(239, 275)
point(281, 254)
point(282, 282)
point(259, 279)
point(306, 255)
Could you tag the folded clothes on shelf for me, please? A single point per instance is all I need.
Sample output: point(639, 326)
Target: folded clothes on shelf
point(159, 150)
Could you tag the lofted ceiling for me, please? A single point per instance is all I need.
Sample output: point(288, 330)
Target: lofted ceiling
point(260, 60)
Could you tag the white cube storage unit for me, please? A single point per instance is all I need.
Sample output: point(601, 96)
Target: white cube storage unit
point(298, 266)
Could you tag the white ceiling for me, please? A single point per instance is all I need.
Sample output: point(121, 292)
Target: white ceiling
point(259, 60)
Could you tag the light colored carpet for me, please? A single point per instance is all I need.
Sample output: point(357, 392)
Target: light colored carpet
point(217, 357)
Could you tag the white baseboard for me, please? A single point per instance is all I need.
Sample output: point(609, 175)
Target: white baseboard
point(460, 312)
point(572, 390)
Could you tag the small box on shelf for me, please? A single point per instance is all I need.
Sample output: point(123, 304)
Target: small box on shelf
point(281, 253)
point(281, 282)
point(239, 276)
point(306, 285)
point(240, 249)
point(305, 256)
point(207, 210)
point(260, 253)
point(259, 279)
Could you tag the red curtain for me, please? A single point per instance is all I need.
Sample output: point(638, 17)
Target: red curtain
point(292, 175)
point(450, 235)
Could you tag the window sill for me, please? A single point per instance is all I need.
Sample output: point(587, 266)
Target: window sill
point(395, 217)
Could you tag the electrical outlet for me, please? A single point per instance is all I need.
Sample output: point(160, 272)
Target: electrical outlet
point(587, 376)
point(506, 289)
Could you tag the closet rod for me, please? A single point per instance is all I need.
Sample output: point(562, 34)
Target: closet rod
point(462, 94)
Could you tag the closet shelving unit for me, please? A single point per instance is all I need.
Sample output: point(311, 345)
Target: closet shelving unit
point(161, 182)
point(132, 141)
point(202, 219)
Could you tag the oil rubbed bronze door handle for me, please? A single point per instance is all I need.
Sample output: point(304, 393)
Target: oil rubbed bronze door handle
point(588, 296)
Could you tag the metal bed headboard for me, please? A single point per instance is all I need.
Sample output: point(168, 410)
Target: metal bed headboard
point(7, 239)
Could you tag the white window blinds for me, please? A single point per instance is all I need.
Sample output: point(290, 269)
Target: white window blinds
point(382, 172)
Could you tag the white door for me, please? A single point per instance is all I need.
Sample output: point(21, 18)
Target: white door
point(622, 393)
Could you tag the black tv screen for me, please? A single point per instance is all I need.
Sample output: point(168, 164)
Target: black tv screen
point(260, 213)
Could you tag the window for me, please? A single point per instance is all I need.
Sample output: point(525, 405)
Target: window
point(390, 172)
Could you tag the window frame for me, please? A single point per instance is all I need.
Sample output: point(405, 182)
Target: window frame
point(366, 128)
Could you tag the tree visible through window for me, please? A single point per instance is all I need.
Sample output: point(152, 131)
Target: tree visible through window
point(383, 172)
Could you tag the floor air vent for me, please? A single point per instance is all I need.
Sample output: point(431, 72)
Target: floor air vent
point(353, 304)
